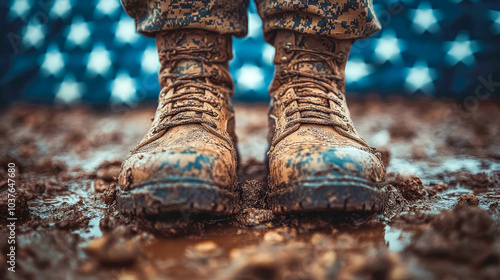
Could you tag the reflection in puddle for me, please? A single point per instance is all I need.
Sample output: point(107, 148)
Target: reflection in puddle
point(92, 231)
point(396, 239)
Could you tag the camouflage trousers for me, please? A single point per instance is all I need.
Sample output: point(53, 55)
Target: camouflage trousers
point(340, 19)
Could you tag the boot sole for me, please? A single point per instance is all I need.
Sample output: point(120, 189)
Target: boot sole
point(177, 195)
point(343, 194)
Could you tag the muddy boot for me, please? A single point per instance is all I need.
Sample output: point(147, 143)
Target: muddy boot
point(317, 159)
point(187, 160)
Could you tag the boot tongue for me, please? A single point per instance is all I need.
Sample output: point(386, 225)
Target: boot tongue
point(189, 67)
point(317, 66)
point(309, 42)
point(190, 40)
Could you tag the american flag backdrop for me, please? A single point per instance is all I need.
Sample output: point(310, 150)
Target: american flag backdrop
point(71, 52)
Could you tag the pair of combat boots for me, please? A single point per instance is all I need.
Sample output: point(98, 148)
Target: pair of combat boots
point(188, 159)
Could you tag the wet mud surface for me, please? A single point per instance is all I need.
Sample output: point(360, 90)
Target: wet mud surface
point(441, 216)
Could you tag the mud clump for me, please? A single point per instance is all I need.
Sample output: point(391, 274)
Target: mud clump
point(100, 185)
point(50, 167)
point(434, 188)
point(417, 218)
point(66, 216)
point(46, 254)
point(108, 171)
point(385, 155)
point(275, 260)
point(108, 191)
point(106, 182)
point(376, 263)
point(411, 187)
point(254, 216)
point(253, 197)
point(401, 130)
point(20, 201)
point(476, 181)
point(395, 203)
point(33, 189)
point(464, 234)
point(468, 199)
point(253, 194)
point(110, 250)
point(109, 195)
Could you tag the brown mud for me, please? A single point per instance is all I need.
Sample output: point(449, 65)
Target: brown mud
point(441, 216)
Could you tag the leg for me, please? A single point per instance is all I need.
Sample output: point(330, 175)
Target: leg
point(317, 159)
point(338, 19)
point(187, 161)
point(219, 16)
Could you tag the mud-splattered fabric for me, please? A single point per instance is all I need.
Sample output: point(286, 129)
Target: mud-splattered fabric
point(221, 16)
point(340, 19)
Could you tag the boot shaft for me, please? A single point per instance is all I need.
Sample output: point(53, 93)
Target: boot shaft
point(194, 52)
point(320, 56)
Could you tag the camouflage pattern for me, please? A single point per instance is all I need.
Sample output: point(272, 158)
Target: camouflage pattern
point(339, 19)
point(220, 16)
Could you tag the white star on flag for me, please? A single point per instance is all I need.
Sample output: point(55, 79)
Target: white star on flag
point(249, 77)
point(125, 30)
point(356, 70)
point(79, 33)
point(34, 35)
point(99, 61)
point(462, 50)
point(495, 17)
point(149, 61)
point(254, 25)
point(123, 88)
point(268, 53)
point(389, 48)
point(53, 62)
point(106, 7)
point(420, 77)
point(425, 18)
point(60, 9)
point(70, 91)
point(19, 9)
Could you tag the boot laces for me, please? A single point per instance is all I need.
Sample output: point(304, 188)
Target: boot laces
point(196, 86)
point(314, 106)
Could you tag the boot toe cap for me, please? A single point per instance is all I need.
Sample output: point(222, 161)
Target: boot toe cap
point(307, 161)
point(213, 164)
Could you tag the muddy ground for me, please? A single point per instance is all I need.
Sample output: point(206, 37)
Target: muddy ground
point(441, 218)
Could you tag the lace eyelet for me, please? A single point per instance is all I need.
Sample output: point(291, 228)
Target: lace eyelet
point(283, 73)
point(214, 76)
point(341, 57)
point(288, 47)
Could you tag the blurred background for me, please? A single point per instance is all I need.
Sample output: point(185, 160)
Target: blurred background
point(87, 52)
